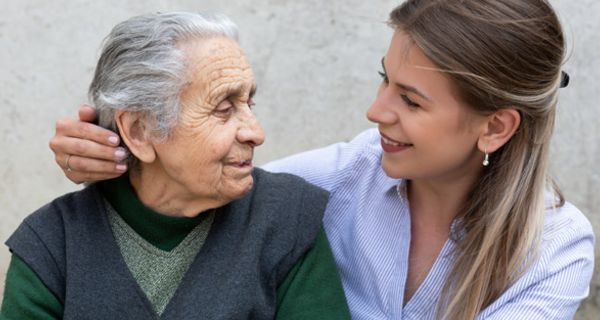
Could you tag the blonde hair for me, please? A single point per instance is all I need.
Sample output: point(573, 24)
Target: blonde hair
point(499, 54)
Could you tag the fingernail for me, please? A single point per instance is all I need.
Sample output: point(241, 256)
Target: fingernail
point(120, 154)
point(113, 140)
point(121, 167)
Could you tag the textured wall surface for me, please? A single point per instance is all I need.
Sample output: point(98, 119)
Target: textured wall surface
point(315, 63)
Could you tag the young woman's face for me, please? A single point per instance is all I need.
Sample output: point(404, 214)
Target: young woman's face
point(426, 131)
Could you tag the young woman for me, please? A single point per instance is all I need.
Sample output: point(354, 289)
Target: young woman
point(446, 210)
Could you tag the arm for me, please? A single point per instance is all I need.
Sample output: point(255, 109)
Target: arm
point(330, 166)
point(93, 153)
point(556, 285)
point(26, 296)
point(313, 289)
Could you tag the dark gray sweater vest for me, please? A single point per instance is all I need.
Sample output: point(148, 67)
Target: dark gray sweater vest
point(253, 243)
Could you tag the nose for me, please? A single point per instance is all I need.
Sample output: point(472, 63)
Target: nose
point(251, 132)
point(380, 111)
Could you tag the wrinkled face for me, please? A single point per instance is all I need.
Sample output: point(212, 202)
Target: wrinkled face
point(427, 132)
point(209, 152)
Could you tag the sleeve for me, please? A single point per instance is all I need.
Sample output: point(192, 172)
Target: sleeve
point(327, 167)
point(25, 295)
point(563, 275)
point(313, 289)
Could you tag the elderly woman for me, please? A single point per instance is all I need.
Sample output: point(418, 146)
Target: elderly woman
point(192, 231)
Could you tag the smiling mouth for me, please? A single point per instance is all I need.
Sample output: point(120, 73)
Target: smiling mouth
point(386, 140)
point(395, 143)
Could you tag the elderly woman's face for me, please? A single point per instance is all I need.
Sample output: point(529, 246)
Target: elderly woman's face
point(209, 152)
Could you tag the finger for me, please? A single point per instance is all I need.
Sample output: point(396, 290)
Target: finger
point(87, 113)
point(83, 130)
point(64, 145)
point(87, 166)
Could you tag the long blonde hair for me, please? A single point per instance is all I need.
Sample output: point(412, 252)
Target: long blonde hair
point(499, 54)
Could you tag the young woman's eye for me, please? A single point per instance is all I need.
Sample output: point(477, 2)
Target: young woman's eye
point(409, 102)
point(383, 76)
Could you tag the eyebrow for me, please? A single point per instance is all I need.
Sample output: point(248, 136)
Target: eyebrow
point(404, 86)
point(238, 91)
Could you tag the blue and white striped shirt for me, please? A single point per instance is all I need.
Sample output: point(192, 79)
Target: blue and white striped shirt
point(368, 225)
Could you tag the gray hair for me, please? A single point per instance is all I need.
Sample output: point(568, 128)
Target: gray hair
point(141, 68)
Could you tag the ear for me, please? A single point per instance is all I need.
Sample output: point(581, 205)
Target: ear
point(498, 129)
point(134, 133)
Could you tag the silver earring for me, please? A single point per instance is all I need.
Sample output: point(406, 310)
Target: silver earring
point(486, 159)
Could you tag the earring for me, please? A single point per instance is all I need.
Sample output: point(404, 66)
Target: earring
point(486, 159)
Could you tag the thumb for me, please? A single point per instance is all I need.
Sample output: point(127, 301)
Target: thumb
point(87, 114)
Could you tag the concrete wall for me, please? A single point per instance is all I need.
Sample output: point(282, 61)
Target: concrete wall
point(315, 63)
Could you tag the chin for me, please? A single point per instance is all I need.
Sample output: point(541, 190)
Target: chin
point(241, 188)
point(393, 170)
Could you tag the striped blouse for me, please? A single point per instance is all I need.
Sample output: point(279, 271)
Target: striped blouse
point(368, 225)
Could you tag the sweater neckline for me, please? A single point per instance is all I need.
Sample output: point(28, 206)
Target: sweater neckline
point(162, 231)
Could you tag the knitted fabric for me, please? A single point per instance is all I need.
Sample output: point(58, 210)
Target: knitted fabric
point(157, 272)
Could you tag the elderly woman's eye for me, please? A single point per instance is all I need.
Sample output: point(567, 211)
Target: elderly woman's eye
point(225, 108)
point(251, 103)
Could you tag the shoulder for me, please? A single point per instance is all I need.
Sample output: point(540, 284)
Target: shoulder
point(63, 207)
point(365, 145)
point(368, 141)
point(329, 167)
point(292, 196)
point(363, 150)
point(48, 221)
point(284, 184)
point(566, 222)
point(567, 246)
point(280, 181)
point(40, 239)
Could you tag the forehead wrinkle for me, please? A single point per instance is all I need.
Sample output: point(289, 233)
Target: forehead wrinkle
point(220, 87)
point(213, 63)
point(230, 72)
point(230, 81)
point(228, 87)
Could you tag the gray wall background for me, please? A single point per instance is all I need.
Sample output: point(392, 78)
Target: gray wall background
point(315, 63)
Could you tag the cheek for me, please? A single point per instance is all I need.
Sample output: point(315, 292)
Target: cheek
point(447, 139)
point(455, 149)
point(221, 143)
point(207, 158)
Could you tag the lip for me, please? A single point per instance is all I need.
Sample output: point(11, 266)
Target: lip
point(392, 146)
point(244, 165)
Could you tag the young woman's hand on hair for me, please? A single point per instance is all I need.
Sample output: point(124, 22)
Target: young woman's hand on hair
point(86, 152)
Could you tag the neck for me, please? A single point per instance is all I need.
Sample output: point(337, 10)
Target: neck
point(436, 203)
point(156, 190)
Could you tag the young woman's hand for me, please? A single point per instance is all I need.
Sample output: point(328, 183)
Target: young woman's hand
point(85, 151)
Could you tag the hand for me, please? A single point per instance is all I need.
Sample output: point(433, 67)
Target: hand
point(85, 151)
